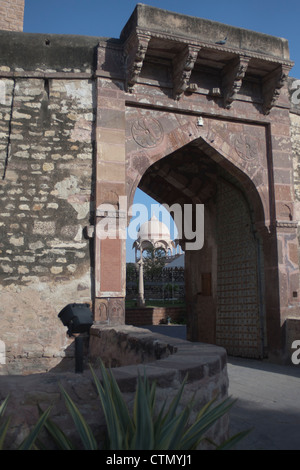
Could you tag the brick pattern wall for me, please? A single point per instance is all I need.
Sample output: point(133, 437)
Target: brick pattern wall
point(46, 158)
point(238, 326)
point(12, 15)
point(46, 167)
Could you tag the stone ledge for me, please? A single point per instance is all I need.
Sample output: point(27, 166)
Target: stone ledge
point(205, 365)
point(198, 360)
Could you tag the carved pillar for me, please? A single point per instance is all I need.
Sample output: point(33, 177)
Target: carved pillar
point(281, 245)
point(110, 243)
point(287, 240)
point(281, 285)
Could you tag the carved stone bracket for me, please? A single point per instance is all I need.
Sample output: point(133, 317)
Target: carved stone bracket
point(135, 50)
point(182, 69)
point(232, 78)
point(286, 224)
point(271, 87)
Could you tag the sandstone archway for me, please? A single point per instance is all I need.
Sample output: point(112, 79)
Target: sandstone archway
point(164, 97)
point(88, 119)
point(224, 279)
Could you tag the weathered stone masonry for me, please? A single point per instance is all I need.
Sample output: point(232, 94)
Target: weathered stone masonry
point(84, 121)
point(47, 166)
point(12, 15)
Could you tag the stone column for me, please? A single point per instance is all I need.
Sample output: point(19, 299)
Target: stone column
point(110, 254)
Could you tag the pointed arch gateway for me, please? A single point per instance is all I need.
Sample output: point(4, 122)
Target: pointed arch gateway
point(191, 121)
point(225, 278)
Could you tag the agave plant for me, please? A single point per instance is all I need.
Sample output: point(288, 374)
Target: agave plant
point(4, 423)
point(144, 428)
point(30, 441)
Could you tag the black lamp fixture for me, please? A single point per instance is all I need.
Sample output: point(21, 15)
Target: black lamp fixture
point(78, 318)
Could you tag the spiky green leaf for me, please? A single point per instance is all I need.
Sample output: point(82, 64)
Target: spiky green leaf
point(143, 417)
point(233, 440)
point(84, 431)
point(29, 441)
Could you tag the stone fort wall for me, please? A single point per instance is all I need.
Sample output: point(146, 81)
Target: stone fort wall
point(46, 190)
point(12, 15)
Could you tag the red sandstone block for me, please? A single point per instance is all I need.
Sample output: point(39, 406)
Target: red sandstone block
point(293, 252)
point(110, 265)
point(283, 193)
point(282, 176)
point(106, 92)
point(281, 159)
point(112, 118)
point(111, 103)
point(280, 129)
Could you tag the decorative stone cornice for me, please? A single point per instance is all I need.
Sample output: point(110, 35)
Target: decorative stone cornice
point(232, 77)
point(189, 52)
point(182, 69)
point(216, 47)
point(135, 50)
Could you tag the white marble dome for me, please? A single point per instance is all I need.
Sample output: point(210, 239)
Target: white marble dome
point(154, 230)
point(153, 233)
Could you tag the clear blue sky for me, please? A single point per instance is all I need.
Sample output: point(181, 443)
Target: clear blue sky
point(106, 18)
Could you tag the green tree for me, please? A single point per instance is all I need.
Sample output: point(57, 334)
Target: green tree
point(154, 261)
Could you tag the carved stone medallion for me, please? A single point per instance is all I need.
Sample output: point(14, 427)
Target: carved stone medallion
point(246, 147)
point(147, 132)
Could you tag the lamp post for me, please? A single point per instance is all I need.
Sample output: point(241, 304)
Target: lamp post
point(152, 234)
point(141, 299)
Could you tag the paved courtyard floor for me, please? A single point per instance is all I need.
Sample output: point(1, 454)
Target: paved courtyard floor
point(268, 400)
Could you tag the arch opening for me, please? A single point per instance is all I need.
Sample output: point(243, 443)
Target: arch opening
point(224, 280)
point(152, 252)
